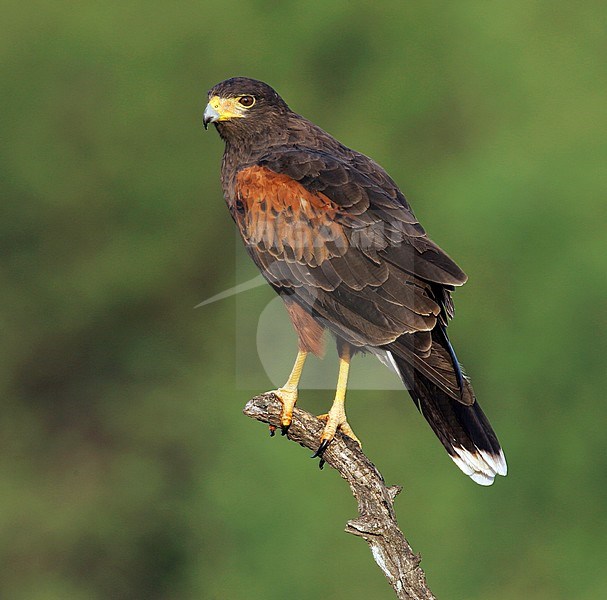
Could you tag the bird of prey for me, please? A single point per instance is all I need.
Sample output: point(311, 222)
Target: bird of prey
point(334, 236)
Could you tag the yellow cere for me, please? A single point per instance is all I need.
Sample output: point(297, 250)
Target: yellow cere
point(227, 108)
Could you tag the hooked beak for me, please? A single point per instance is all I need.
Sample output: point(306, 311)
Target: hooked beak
point(210, 116)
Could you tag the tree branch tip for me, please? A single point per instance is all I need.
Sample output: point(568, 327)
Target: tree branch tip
point(394, 490)
point(258, 406)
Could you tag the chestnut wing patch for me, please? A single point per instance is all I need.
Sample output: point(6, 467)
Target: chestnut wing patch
point(276, 214)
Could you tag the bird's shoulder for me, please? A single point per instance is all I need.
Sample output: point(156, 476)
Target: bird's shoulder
point(311, 174)
point(322, 165)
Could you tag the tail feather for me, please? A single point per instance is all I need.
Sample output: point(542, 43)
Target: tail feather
point(463, 429)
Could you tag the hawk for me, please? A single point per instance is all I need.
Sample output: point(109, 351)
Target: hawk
point(335, 237)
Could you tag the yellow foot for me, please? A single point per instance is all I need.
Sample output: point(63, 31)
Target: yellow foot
point(336, 419)
point(288, 397)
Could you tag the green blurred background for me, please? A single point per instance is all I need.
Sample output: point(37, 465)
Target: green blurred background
point(127, 470)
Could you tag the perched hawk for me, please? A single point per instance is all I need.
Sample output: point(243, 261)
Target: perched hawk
point(335, 237)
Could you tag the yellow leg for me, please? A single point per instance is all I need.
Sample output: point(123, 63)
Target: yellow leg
point(336, 417)
point(287, 394)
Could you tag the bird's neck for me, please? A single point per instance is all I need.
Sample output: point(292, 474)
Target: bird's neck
point(246, 147)
point(250, 141)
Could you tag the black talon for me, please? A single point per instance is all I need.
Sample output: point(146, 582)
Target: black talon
point(284, 429)
point(321, 449)
point(321, 463)
point(272, 430)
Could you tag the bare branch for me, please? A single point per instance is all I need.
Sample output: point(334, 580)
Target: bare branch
point(376, 521)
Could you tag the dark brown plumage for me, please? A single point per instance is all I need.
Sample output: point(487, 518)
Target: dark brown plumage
point(335, 237)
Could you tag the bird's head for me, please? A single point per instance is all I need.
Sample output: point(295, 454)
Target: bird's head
point(241, 105)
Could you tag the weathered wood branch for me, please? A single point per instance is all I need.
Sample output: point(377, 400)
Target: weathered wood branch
point(376, 521)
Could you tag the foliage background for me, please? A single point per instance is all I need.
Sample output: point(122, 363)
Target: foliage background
point(126, 468)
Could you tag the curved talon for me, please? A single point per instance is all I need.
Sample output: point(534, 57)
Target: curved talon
point(321, 449)
point(272, 429)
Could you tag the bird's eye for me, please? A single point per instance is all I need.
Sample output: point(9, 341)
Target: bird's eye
point(246, 101)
